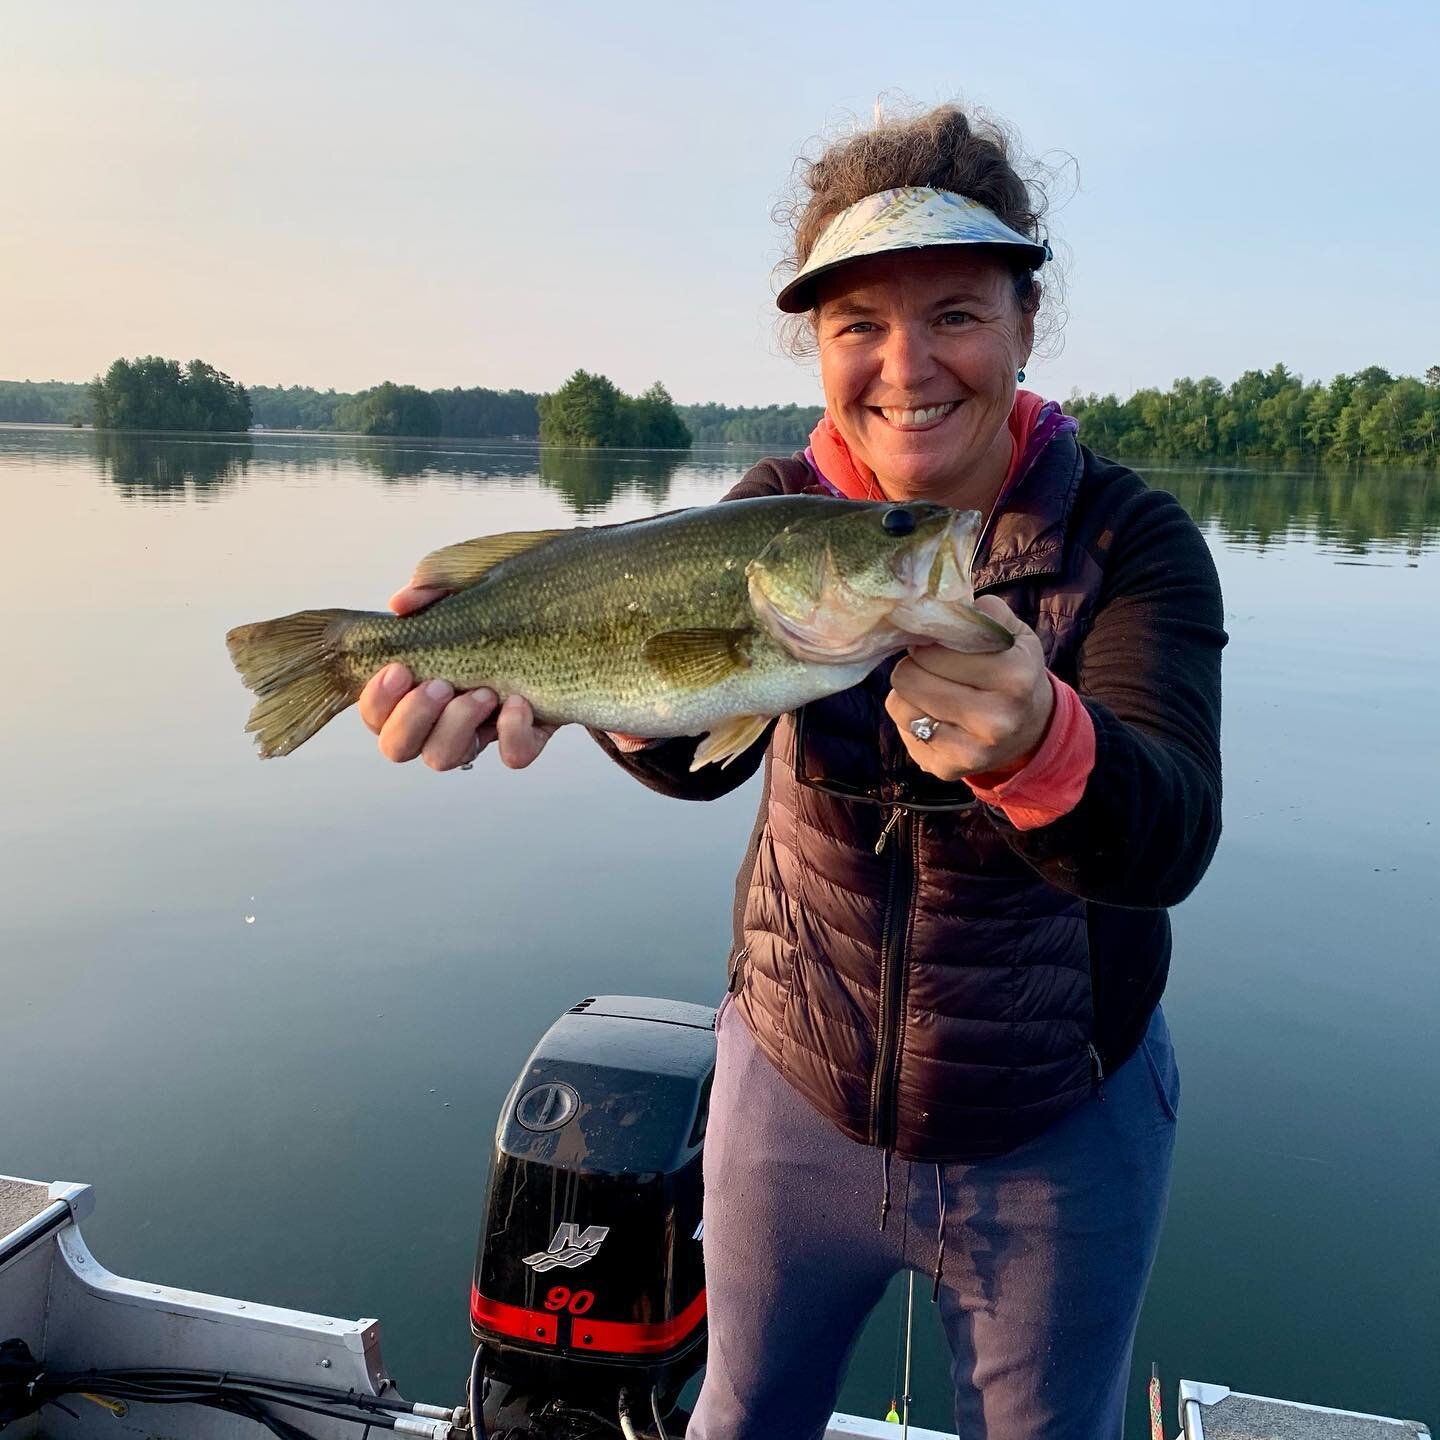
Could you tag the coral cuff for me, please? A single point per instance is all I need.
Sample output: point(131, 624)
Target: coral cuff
point(1051, 781)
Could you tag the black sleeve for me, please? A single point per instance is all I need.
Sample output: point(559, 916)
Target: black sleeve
point(665, 767)
point(1149, 674)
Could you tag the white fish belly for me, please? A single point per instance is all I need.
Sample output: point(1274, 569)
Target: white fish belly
point(763, 690)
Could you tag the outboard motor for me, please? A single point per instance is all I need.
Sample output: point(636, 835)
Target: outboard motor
point(588, 1302)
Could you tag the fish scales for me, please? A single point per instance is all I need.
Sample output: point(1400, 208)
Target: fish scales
point(572, 620)
point(556, 625)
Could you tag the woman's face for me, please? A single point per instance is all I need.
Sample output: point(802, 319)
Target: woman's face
point(918, 354)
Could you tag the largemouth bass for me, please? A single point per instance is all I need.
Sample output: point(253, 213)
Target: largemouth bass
point(707, 621)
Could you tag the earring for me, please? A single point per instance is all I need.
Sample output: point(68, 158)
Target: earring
point(1020, 376)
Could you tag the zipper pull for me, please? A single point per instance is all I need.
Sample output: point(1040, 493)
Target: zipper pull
point(740, 958)
point(890, 824)
point(1098, 1072)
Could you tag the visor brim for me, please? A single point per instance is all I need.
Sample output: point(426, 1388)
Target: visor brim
point(798, 295)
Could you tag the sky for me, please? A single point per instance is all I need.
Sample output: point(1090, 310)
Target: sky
point(479, 194)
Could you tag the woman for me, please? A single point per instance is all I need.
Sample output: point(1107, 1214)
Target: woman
point(943, 1049)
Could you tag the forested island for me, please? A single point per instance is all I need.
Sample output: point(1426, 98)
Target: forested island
point(588, 410)
point(1275, 414)
point(155, 394)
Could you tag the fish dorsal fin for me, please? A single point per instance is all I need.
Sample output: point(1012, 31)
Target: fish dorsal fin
point(728, 739)
point(696, 658)
point(455, 567)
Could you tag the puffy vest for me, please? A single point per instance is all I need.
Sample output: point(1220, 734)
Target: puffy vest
point(906, 971)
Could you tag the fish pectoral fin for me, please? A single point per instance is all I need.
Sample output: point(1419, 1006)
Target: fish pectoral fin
point(456, 567)
point(695, 658)
point(728, 739)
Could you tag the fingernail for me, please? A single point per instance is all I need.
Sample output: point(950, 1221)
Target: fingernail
point(438, 689)
point(484, 699)
point(394, 679)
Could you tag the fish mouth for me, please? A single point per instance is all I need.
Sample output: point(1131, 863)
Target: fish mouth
point(937, 565)
point(926, 600)
point(941, 604)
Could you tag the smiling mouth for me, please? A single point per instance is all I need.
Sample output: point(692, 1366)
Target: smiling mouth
point(916, 419)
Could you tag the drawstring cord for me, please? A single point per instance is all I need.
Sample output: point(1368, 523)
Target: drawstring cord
point(940, 1203)
point(940, 1236)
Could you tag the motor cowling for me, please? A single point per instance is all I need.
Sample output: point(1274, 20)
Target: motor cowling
point(589, 1279)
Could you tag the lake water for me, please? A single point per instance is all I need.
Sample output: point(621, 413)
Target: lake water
point(271, 1010)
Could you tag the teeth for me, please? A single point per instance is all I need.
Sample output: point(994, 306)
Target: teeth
point(917, 417)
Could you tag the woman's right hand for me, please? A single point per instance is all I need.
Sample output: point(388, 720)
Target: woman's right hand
point(433, 723)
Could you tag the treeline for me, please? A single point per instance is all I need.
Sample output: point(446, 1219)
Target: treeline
point(475, 413)
point(480, 413)
point(386, 409)
point(295, 407)
point(783, 425)
point(1275, 413)
point(44, 402)
point(1270, 414)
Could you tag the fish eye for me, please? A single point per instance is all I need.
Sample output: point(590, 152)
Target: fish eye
point(897, 521)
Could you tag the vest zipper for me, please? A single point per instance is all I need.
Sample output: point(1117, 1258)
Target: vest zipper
point(732, 983)
point(894, 941)
point(1097, 1072)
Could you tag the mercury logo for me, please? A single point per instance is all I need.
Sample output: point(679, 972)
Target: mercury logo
point(570, 1248)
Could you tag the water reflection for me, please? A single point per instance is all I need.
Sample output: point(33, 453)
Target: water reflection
point(589, 479)
point(392, 462)
point(162, 468)
point(1349, 508)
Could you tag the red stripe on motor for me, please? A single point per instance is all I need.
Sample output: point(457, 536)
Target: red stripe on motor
point(513, 1320)
point(622, 1337)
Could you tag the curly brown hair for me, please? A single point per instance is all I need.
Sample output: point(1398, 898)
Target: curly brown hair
point(947, 148)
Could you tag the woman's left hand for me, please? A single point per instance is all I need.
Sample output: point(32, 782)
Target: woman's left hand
point(993, 709)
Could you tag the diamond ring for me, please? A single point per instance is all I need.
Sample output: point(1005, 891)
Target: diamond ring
point(923, 727)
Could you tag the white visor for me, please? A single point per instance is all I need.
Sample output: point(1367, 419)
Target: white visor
point(910, 218)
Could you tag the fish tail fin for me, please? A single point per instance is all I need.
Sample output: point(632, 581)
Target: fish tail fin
point(296, 669)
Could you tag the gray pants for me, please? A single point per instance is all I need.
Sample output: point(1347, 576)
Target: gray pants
point(1047, 1253)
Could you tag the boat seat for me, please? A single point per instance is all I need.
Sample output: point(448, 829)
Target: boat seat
point(1214, 1412)
point(20, 1201)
